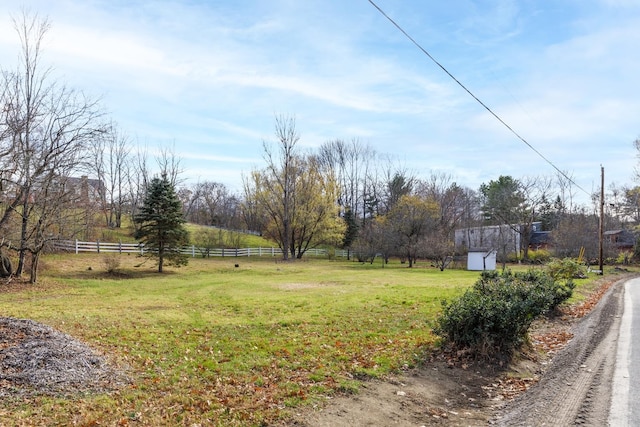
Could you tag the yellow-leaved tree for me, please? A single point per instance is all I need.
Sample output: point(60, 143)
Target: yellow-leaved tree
point(298, 201)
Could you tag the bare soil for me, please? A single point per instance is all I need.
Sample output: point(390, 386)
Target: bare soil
point(563, 378)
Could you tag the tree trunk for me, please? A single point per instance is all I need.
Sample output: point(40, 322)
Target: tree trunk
point(35, 260)
point(23, 240)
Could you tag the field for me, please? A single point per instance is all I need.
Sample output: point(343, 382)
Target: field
point(220, 344)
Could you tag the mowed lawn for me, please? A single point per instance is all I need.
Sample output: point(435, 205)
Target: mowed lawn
point(216, 344)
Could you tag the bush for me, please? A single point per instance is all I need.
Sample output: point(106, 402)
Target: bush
point(492, 318)
point(624, 258)
point(514, 257)
point(539, 256)
point(566, 269)
point(112, 263)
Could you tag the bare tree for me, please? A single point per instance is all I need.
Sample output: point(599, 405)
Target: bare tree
point(118, 154)
point(170, 164)
point(353, 164)
point(254, 216)
point(458, 205)
point(631, 206)
point(211, 203)
point(110, 162)
point(411, 221)
point(575, 231)
point(138, 180)
point(636, 145)
point(566, 189)
point(49, 126)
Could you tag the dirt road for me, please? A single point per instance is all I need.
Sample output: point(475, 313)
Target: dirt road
point(576, 388)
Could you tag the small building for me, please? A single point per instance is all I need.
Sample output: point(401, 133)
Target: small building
point(479, 259)
point(540, 240)
point(622, 240)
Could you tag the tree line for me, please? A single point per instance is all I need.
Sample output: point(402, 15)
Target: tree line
point(66, 170)
point(386, 210)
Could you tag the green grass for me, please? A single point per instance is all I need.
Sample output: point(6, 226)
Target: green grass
point(222, 345)
point(125, 234)
point(245, 240)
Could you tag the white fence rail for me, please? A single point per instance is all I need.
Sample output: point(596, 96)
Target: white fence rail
point(77, 246)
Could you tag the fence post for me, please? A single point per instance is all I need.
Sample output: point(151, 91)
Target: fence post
point(98, 245)
point(76, 246)
point(193, 251)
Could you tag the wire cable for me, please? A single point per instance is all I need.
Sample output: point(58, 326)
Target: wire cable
point(475, 97)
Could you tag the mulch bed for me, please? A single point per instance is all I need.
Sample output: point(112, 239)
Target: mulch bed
point(35, 359)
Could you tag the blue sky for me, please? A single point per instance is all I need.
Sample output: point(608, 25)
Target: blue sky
point(208, 77)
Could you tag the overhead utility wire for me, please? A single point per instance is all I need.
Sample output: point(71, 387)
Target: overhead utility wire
point(475, 97)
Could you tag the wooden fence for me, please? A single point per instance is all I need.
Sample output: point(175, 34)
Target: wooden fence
point(77, 246)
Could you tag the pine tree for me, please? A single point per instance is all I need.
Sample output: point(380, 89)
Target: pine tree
point(352, 228)
point(161, 224)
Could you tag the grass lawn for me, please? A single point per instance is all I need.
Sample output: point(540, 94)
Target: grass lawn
point(215, 344)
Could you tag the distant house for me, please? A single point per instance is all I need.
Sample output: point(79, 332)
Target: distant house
point(491, 236)
point(501, 236)
point(622, 240)
point(87, 189)
point(539, 239)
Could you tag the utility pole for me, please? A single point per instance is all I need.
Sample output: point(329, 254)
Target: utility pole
point(601, 225)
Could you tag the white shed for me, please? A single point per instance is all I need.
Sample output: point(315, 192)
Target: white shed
point(481, 259)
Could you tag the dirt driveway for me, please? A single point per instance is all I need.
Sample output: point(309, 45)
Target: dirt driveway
point(565, 380)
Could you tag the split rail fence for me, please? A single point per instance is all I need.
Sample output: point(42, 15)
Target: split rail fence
point(77, 246)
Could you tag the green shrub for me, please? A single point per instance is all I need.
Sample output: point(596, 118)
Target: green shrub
point(514, 257)
point(624, 258)
point(539, 256)
point(492, 318)
point(566, 269)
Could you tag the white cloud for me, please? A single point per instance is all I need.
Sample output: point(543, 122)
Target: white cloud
point(212, 75)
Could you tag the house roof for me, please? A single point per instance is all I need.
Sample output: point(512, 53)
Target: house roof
point(540, 237)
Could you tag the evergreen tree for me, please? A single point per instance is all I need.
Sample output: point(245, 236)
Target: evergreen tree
point(160, 224)
point(352, 228)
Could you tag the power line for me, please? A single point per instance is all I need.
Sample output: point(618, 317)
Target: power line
point(475, 97)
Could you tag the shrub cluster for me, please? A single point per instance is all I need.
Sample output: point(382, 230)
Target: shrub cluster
point(539, 256)
point(492, 318)
point(566, 269)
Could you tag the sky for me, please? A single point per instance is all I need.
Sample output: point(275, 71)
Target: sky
point(207, 78)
